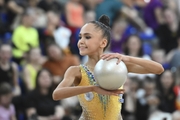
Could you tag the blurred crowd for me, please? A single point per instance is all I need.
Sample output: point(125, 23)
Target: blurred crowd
point(38, 42)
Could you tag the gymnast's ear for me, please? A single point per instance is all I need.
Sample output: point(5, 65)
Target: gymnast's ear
point(103, 43)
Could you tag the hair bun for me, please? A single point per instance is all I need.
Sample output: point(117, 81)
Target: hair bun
point(105, 20)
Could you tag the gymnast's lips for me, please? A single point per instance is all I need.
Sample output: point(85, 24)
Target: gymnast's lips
point(82, 48)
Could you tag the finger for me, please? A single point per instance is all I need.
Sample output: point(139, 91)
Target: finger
point(119, 60)
point(105, 56)
point(110, 57)
point(111, 93)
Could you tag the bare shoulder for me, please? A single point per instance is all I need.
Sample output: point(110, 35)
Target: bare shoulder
point(72, 76)
point(73, 71)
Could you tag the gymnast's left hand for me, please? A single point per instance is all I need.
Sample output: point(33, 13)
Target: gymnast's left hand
point(118, 56)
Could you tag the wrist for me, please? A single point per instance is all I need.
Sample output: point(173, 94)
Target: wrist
point(93, 88)
point(126, 58)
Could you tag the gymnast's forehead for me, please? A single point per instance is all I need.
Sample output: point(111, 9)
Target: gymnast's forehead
point(89, 28)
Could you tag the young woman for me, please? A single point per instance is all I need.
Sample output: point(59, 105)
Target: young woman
point(39, 103)
point(97, 103)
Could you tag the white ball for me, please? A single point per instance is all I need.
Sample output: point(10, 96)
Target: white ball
point(109, 75)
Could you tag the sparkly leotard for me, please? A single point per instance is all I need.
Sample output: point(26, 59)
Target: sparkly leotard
point(95, 106)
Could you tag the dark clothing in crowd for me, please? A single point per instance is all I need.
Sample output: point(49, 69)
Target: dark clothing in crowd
point(44, 104)
point(167, 38)
point(6, 75)
point(167, 103)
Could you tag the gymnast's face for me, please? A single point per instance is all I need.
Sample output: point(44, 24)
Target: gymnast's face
point(90, 40)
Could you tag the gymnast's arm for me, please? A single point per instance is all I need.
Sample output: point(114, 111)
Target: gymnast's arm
point(142, 66)
point(65, 88)
point(72, 75)
point(135, 64)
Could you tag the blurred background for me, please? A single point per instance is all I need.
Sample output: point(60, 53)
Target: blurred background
point(38, 42)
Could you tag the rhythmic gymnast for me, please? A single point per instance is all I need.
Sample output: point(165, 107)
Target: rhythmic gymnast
point(97, 103)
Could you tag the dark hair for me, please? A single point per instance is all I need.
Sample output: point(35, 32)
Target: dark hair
point(160, 88)
point(5, 88)
point(37, 88)
point(126, 50)
point(52, 44)
point(103, 25)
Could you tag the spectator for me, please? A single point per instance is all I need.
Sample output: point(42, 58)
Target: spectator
point(4, 26)
point(14, 10)
point(166, 94)
point(173, 56)
point(58, 62)
point(89, 15)
point(38, 14)
point(132, 14)
point(33, 65)
point(159, 56)
point(118, 35)
point(60, 33)
point(90, 4)
point(39, 103)
point(50, 5)
point(134, 47)
point(74, 12)
point(129, 106)
point(9, 70)
point(24, 38)
point(148, 101)
point(153, 15)
point(168, 32)
point(117, 8)
point(7, 110)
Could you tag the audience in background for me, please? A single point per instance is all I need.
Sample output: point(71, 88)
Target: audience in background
point(44, 34)
point(134, 47)
point(38, 14)
point(147, 100)
point(33, 65)
point(153, 15)
point(39, 103)
point(58, 62)
point(129, 107)
point(166, 93)
point(50, 5)
point(74, 12)
point(168, 32)
point(8, 69)
point(118, 35)
point(24, 38)
point(7, 110)
point(159, 56)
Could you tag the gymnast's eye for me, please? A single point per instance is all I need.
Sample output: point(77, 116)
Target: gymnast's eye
point(88, 37)
point(80, 37)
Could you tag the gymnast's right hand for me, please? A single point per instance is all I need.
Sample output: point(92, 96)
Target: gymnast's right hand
point(102, 91)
